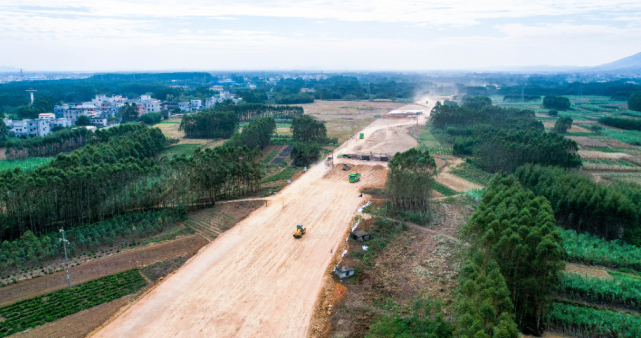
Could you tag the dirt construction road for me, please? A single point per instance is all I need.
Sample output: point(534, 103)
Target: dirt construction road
point(256, 280)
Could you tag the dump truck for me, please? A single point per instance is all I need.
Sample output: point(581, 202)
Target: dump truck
point(353, 178)
point(300, 231)
point(362, 135)
point(346, 167)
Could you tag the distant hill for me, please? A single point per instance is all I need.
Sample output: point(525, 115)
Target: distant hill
point(7, 69)
point(627, 64)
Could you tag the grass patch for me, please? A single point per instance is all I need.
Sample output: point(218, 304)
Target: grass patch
point(168, 235)
point(285, 174)
point(632, 137)
point(36, 311)
point(472, 173)
point(440, 150)
point(157, 270)
point(186, 149)
point(608, 150)
point(608, 162)
point(582, 134)
point(383, 231)
point(26, 164)
point(418, 217)
point(443, 189)
point(374, 191)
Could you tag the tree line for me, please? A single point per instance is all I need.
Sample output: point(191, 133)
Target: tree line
point(257, 133)
point(579, 203)
point(409, 180)
point(513, 262)
point(120, 176)
point(29, 249)
point(634, 102)
point(501, 139)
point(209, 123)
point(622, 123)
point(308, 134)
point(504, 150)
point(519, 98)
point(248, 111)
point(556, 102)
point(49, 145)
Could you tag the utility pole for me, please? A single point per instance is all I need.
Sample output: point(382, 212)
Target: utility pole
point(64, 244)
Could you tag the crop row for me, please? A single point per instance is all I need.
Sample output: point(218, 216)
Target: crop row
point(52, 306)
point(593, 250)
point(624, 293)
point(285, 174)
point(588, 322)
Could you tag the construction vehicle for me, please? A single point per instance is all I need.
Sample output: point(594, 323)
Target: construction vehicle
point(300, 231)
point(346, 167)
point(353, 178)
point(362, 135)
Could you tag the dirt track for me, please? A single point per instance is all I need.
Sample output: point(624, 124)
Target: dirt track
point(256, 280)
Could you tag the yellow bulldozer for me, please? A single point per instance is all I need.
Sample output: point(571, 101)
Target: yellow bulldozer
point(300, 231)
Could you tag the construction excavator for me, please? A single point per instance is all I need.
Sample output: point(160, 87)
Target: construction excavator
point(346, 167)
point(300, 231)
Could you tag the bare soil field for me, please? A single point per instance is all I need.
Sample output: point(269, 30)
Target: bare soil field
point(3, 153)
point(455, 183)
point(256, 280)
point(383, 137)
point(585, 270)
point(345, 118)
point(591, 154)
point(585, 141)
point(100, 267)
point(574, 129)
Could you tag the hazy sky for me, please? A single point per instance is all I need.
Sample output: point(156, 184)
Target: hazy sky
point(107, 35)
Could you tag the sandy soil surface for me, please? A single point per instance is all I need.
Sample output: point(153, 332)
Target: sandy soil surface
point(384, 136)
point(100, 267)
point(256, 280)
